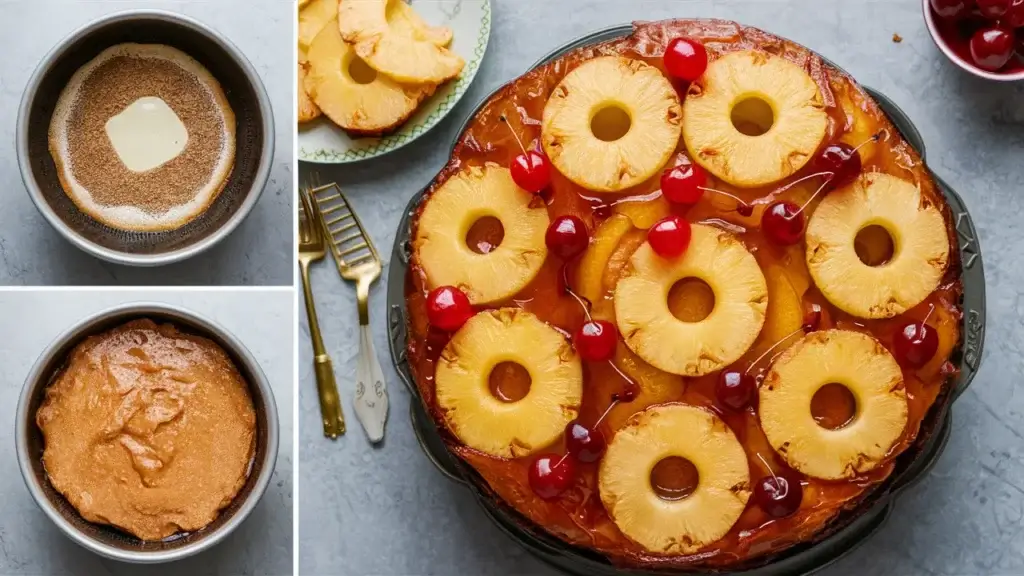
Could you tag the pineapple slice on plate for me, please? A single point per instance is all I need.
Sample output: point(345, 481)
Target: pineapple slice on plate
point(449, 213)
point(308, 110)
point(920, 241)
point(650, 329)
point(352, 94)
point(391, 50)
point(862, 365)
point(611, 123)
point(686, 525)
point(753, 118)
point(492, 425)
point(313, 17)
point(404, 20)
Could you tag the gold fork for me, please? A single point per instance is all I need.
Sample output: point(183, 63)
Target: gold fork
point(311, 249)
point(357, 262)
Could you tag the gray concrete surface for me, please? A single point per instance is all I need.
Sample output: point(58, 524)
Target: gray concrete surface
point(386, 511)
point(258, 252)
point(31, 544)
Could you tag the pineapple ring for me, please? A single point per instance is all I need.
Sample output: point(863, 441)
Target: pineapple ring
point(742, 83)
point(635, 149)
point(867, 370)
point(682, 526)
point(920, 241)
point(650, 330)
point(404, 49)
point(508, 429)
point(369, 108)
point(472, 194)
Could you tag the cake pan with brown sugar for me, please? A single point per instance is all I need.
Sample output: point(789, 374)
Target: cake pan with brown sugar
point(573, 528)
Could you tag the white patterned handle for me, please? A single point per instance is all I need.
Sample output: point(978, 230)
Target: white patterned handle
point(371, 391)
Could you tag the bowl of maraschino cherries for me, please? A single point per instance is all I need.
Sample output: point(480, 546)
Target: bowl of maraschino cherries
point(983, 37)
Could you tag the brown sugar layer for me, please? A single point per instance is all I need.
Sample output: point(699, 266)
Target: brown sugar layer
point(93, 175)
point(148, 429)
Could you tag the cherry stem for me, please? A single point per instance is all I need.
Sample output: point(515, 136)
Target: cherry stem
point(931, 308)
point(606, 412)
point(514, 135)
point(802, 179)
point(773, 347)
point(736, 198)
point(811, 199)
point(770, 471)
point(583, 302)
point(628, 380)
point(876, 138)
point(560, 460)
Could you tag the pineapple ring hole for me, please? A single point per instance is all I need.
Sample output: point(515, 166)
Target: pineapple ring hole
point(691, 300)
point(874, 245)
point(509, 382)
point(485, 235)
point(610, 123)
point(361, 72)
point(674, 478)
point(753, 116)
point(833, 406)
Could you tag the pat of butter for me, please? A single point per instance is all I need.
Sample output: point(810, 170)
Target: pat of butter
point(147, 134)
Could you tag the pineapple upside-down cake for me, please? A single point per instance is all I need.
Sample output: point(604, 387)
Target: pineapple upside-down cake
point(683, 297)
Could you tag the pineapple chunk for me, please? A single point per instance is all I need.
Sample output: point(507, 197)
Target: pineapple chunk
point(493, 426)
point(412, 59)
point(753, 119)
point(692, 348)
point(611, 123)
point(683, 526)
point(785, 310)
point(365, 105)
point(590, 275)
point(867, 370)
point(920, 256)
point(450, 211)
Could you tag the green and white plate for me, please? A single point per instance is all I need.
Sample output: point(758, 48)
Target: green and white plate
point(470, 20)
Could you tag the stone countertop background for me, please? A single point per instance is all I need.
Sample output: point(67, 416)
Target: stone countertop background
point(386, 511)
point(31, 544)
point(258, 252)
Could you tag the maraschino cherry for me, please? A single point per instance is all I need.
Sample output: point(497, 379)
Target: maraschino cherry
point(812, 318)
point(583, 443)
point(531, 169)
point(842, 160)
point(783, 222)
point(448, 308)
point(916, 343)
point(735, 390)
point(686, 59)
point(779, 494)
point(550, 475)
point(951, 9)
point(595, 340)
point(992, 47)
point(567, 237)
point(1015, 17)
point(993, 9)
point(670, 236)
point(686, 183)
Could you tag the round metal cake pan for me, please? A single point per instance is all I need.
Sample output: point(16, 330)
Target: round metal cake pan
point(803, 559)
point(254, 137)
point(108, 541)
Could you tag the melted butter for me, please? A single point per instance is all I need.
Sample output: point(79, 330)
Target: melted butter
point(147, 134)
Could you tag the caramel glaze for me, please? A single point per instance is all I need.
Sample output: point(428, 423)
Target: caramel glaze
point(148, 429)
point(577, 516)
